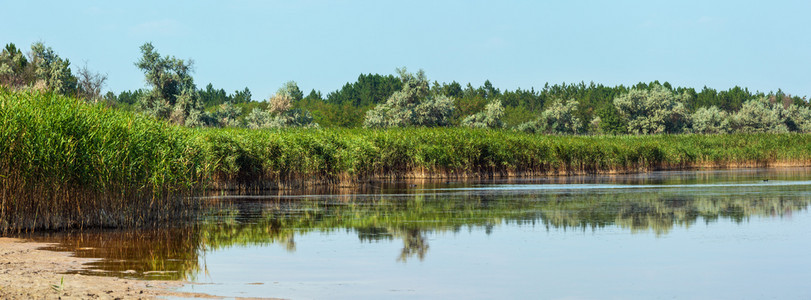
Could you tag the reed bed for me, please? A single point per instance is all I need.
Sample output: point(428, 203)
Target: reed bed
point(241, 158)
point(68, 164)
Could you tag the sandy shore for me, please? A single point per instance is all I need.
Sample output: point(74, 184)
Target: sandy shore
point(29, 273)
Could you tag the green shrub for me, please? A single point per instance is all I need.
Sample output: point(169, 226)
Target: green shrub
point(760, 115)
point(413, 105)
point(557, 119)
point(709, 120)
point(652, 111)
point(490, 117)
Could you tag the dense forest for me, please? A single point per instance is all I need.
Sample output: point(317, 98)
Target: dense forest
point(410, 99)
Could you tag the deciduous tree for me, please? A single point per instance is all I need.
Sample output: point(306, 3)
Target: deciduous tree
point(173, 95)
point(559, 118)
point(413, 105)
point(709, 120)
point(280, 112)
point(90, 84)
point(760, 115)
point(651, 111)
point(490, 117)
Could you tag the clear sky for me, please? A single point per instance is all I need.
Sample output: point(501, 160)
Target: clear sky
point(762, 45)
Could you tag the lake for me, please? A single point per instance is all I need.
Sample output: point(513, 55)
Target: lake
point(733, 234)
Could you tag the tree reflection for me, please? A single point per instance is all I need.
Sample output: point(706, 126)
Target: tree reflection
point(413, 217)
point(414, 243)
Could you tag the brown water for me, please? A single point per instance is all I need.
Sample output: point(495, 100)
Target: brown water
point(692, 234)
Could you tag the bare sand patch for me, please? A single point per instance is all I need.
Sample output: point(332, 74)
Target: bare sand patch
point(26, 272)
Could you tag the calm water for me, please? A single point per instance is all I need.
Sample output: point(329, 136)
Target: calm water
point(700, 234)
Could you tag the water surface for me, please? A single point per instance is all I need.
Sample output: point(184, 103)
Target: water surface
point(687, 234)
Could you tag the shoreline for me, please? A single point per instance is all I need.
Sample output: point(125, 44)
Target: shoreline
point(28, 272)
point(136, 172)
point(348, 181)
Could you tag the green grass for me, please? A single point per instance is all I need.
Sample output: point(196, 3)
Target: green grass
point(58, 287)
point(68, 164)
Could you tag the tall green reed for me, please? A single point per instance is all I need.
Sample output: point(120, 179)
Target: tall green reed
point(69, 164)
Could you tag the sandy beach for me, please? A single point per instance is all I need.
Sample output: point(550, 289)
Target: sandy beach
point(29, 273)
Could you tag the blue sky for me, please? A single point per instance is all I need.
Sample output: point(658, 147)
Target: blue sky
point(762, 45)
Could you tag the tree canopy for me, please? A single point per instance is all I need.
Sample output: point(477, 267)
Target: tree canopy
point(409, 99)
point(412, 105)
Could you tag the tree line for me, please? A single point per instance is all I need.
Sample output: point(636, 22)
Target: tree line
point(410, 99)
point(42, 69)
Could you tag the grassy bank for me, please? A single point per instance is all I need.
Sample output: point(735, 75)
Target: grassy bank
point(68, 164)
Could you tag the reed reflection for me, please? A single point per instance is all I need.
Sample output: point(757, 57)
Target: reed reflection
point(411, 216)
point(160, 254)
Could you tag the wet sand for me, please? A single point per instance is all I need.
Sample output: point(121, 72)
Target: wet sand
point(29, 273)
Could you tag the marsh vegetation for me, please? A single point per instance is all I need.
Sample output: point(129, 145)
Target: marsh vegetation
point(72, 158)
point(69, 164)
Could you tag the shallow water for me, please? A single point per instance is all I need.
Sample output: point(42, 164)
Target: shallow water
point(687, 234)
